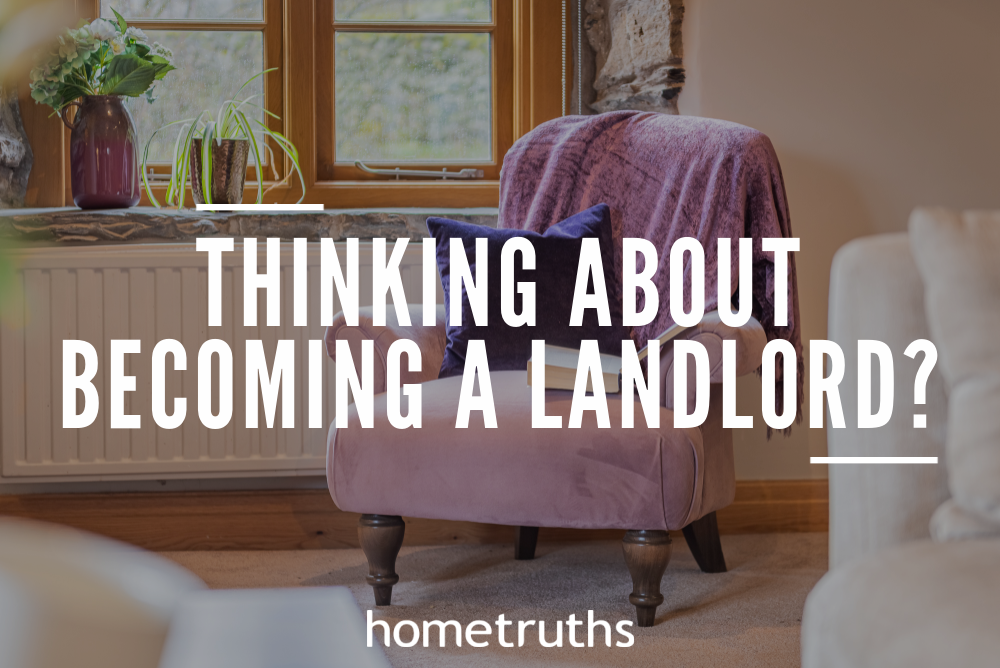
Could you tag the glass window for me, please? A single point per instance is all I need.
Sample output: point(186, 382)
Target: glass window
point(412, 97)
point(211, 63)
point(211, 66)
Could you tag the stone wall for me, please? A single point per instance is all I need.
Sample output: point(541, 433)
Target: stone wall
point(632, 55)
point(15, 152)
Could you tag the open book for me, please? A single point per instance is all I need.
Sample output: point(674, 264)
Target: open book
point(561, 363)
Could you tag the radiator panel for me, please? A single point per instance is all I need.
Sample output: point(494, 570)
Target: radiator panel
point(151, 293)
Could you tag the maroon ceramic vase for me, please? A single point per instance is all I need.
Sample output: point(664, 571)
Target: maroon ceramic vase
point(104, 158)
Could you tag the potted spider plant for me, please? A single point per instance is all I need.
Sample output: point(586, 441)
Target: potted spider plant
point(211, 152)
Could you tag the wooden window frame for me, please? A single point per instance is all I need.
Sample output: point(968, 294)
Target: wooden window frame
point(501, 32)
point(527, 89)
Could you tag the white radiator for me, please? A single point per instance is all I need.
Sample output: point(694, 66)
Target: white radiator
point(150, 293)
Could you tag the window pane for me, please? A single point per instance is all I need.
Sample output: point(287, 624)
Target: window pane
point(436, 11)
point(226, 10)
point(413, 97)
point(211, 67)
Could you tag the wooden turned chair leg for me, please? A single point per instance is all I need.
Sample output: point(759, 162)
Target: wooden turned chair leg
point(381, 536)
point(647, 554)
point(525, 541)
point(703, 538)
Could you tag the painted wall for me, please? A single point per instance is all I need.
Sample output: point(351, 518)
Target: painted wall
point(874, 107)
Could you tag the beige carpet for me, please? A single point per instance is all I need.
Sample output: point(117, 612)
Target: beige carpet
point(749, 616)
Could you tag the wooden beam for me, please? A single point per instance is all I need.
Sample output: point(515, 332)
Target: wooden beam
point(538, 61)
point(308, 519)
point(46, 135)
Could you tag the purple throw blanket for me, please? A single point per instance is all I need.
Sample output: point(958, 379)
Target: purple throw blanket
point(664, 177)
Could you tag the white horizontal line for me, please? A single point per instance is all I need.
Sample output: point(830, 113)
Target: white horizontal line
point(873, 460)
point(259, 207)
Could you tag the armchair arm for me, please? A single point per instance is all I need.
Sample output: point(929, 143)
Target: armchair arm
point(711, 332)
point(719, 465)
point(431, 341)
point(876, 292)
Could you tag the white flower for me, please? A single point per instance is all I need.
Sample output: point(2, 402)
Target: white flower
point(103, 29)
point(162, 51)
point(82, 35)
point(67, 51)
point(136, 34)
point(117, 47)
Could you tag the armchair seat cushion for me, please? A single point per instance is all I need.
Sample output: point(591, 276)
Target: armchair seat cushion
point(588, 478)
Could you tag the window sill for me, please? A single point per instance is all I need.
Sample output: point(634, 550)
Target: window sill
point(374, 193)
point(151, 225)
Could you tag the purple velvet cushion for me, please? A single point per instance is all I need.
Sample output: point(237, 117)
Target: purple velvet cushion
point(557, 254)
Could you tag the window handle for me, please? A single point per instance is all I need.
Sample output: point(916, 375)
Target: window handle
point(156, 176)
point(444, 174)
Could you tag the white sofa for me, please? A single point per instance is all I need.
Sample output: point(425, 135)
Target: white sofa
point(892, 596)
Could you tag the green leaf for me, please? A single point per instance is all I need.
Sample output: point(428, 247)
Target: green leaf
point(162, 69)
point(143, 171)
point(128, 74)
point(69, 92)
point(122, 25)
point(162, 66)
point(185, 159)
point(141, 50)
point(207, 137)
point(255, 153)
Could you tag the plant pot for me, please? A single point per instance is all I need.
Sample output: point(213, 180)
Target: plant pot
point(104, 160)
point(229, 170)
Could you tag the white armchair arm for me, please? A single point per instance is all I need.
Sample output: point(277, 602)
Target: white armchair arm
point(876, 293)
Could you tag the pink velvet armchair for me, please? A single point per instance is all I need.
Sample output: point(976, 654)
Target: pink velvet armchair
point(646, 481)
point(663, 177)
